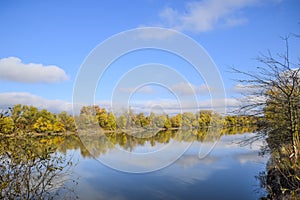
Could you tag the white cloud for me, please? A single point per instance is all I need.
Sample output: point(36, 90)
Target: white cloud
point(168, 106)
point(182, 88)
point(12, 69)
point(187, 161)
point(172, 106)
point(201, 16)
point(9, 99)
point(246, 89)
point(24, 98)
point(251, 157)
point(253, 99)
point(142, 90)
point(185, 88)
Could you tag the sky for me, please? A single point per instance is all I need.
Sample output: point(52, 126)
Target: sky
point(44, 44)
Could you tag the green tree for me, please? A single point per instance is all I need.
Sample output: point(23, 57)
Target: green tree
point(159, 121)
point(24, 117)
point(151, 119)
point(188, 119)
point(121, 122)
point(86, 110)
point(68, 121)
point(16, 114)
point(217, 119)
point(131, 118)
point(46, 115)
point(142, 120)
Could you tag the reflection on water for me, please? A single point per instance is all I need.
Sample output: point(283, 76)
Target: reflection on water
point(228, 172)
point(32, 169)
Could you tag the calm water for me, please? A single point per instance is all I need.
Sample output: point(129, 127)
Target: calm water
point(227, 172)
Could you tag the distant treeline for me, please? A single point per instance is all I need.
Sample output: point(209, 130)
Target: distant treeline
point(22, 119)
point(29, 119)
point(187, 120)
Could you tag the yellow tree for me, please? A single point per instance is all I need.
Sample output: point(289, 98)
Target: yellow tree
point(111, 122)
point(176, 120)
point(43, 125)
point(6, 125)
point(102, 118)
point(58, 126)
point(167, 122)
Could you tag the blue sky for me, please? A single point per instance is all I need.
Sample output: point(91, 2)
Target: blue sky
point(44, 43)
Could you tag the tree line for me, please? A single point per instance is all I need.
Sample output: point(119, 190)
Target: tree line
point(23, 119)
point(187, 120)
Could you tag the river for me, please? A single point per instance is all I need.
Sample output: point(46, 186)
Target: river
point(221, 168)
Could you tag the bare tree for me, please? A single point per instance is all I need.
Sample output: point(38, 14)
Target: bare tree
point(273, 92)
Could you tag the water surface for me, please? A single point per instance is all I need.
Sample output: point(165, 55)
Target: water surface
point(69, 167)
point(227, 172)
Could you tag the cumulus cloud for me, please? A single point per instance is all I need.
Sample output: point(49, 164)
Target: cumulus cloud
point(12, 69)
point(201, 16)
point(25, 98)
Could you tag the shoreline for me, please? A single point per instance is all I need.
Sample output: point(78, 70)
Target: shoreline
point(22, 134)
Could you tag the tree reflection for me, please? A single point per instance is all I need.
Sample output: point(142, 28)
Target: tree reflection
point(102, 142)
point(32, 169)
point(37, 168)
point(282, 176)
